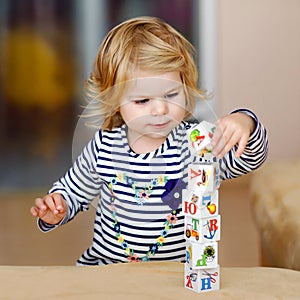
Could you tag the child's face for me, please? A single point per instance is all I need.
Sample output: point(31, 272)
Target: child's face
point(153, 105)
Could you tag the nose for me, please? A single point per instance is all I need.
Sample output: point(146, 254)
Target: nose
point(159, 107)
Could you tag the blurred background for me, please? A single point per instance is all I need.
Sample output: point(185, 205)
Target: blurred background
point(248, 54)
point(47, 51)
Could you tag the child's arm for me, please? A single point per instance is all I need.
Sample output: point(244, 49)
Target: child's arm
point(73, 192)
point(241, 143)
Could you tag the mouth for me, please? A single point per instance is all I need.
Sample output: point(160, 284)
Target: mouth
point(160, 125)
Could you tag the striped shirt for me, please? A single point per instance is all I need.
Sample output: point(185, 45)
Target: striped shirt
point(135, 218)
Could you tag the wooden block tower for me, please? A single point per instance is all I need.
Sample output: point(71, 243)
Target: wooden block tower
point(200, 205)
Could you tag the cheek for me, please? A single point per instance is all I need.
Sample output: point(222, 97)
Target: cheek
point(179, 111)
point(126, 112)
point(130, 114)
point(181, 115)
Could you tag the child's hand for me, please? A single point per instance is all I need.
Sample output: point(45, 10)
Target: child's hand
point(231, 130)
point(51, 209)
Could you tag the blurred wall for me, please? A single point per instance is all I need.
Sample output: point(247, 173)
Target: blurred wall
point(259, 67)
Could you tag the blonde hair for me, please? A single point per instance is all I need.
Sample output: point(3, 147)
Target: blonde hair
point(147, 42)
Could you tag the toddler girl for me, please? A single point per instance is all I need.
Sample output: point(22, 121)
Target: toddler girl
point(145, 83)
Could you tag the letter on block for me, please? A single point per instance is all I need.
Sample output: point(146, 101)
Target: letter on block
point(202, 256)
point(200, 205)
point(202, 230)
point(202, 280)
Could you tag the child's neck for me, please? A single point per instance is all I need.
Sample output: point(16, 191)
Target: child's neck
point(145, 144)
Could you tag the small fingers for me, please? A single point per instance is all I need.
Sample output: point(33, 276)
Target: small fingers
point(34, 211)
point(40, 204)
point(51, 204)
point(58, 202)
point(232, 130)
point(51, 208)
point(222, 144)
point(44, 204)
point(241, 146)
point(39, 209)
point(216, 137)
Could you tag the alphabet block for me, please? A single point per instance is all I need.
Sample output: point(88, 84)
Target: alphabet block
point(202, 256)
point(200, 137)
point(202, 178)
point(202, 280)
point(200, 205)
point(202, 230)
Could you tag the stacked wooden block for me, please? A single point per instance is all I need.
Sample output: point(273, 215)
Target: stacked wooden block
point(200, 205)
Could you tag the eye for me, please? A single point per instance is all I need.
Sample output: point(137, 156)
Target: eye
point(141, 101)
point(171, 95)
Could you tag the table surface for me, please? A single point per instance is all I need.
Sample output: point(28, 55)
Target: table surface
point(142, 281)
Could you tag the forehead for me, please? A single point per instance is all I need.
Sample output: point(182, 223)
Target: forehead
point(144, 83)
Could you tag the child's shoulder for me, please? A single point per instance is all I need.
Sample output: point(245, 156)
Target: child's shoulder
point(109, 136)
point(110, 133)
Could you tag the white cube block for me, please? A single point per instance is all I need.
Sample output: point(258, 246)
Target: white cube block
point(202, 255)
point(202, 178)
point(200, 205)
point(202, 230)
point(202, 280)
point(200, 136)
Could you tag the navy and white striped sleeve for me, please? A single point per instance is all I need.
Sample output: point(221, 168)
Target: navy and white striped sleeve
point(80, 185)
point(254, 155)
